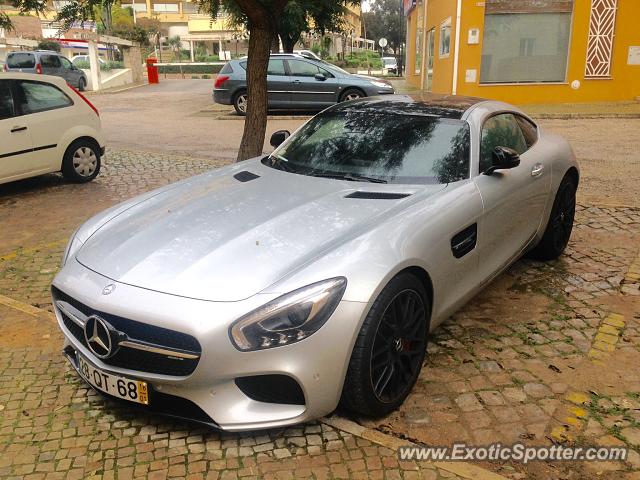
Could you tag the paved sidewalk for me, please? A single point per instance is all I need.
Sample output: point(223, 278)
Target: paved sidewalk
point(52, 426)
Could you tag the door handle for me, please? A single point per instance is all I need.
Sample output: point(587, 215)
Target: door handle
point(537, 169)
point(18, 129)
point(296, 81)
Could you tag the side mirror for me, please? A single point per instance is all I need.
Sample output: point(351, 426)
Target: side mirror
point(503, 158)
point(279, 137)
point(320, 77)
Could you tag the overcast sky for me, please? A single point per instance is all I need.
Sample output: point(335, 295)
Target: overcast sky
point(365, 5)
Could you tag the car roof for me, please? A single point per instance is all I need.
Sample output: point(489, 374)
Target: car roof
point(424, 104)
point(59, 81)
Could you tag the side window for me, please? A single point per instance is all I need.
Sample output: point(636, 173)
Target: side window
point(276, 67)
point(529, 130)
point(302, 69)
point(36, 97)
point(500, 131)
point(326, 73)
point(65, 63)
point(50, 61)
point(6, 100)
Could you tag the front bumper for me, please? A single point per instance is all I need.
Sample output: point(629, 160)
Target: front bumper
point(318, 364)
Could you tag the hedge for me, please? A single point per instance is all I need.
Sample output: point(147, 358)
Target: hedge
point(189, 69)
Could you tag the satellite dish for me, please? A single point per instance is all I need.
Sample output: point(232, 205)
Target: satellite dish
point(382, 42)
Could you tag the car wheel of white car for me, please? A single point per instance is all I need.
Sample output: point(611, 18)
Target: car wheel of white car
point(240, 103)
point(389, 350)
point(81, 161)
point(351, 94)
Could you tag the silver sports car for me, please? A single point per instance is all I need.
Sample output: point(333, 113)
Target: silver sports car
point(267, 292)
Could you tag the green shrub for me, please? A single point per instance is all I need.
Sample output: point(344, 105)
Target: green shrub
point(207, 58)
point(189, 69)
point(206, 77)
point(105, 67)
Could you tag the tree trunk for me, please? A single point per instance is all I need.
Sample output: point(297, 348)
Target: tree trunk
point(288, 43)
point(275, 43)
point(256, 119)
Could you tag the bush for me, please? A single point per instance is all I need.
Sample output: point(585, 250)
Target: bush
point(49, 45)
point(359, 60)
point(207, 58)
point(189, 69)
point(105, 67)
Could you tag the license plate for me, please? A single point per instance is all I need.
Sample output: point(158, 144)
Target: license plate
point(121, 387)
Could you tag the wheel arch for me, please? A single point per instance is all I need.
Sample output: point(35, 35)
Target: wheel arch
point(423, 276)
point(573, 174)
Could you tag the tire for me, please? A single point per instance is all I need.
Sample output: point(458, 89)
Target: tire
point(240, 103)
point(351, 94)
point(374, 385)
point(82, 84)
point(558, 231)
point(81, 162)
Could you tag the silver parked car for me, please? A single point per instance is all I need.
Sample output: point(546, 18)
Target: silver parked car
point(264, 293)
point(296, 82)
point(46, 62)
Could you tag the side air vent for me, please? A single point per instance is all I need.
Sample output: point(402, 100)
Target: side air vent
point(378, 195)
point(245, 176)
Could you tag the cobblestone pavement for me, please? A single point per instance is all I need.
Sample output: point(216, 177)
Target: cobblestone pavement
point(52, 426)
point(548, 353)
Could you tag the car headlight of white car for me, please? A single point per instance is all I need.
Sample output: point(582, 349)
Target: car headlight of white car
point(289, 318)
point(72, 247)
point(380, 84)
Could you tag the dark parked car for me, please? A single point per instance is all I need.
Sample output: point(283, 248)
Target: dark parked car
point(46, 62)
point(296, 82)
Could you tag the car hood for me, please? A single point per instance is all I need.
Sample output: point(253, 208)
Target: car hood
point(217, 238)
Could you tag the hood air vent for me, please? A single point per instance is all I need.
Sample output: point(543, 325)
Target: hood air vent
point(378, 195)
point(245, 176)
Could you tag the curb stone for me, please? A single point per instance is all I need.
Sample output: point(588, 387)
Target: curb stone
point(461, 469)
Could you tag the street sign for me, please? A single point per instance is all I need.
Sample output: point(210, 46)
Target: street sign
point(382, 42)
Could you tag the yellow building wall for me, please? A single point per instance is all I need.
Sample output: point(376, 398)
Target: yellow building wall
point(412, 78)
point(439, 11)
point(624, 83)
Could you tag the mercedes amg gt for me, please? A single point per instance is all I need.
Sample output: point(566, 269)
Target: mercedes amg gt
point(267, 292)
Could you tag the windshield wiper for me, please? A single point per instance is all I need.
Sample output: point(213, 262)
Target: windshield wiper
point(353, 177)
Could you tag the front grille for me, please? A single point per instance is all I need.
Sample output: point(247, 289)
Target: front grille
point(134, 359)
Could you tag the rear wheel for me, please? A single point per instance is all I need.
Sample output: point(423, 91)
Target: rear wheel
point(81, 161)
point(556, 235)
point(351, 94)
point(240, 103)
point(389, 350)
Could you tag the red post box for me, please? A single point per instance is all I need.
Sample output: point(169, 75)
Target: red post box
point(152, 70)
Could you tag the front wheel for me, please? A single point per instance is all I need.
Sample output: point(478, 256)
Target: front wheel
point(389, 350)
point(351, 94)
point(556, 235)
point(81, 162)
point(240, 103)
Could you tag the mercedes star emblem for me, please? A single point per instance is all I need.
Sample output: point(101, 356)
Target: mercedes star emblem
point(97, 334)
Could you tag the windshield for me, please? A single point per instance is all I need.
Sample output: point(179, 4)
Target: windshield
point(378, 147)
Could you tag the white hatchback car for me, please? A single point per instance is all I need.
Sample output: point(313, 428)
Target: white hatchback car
point(47, 126)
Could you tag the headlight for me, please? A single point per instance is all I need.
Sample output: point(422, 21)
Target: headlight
point(289, 318)
point(72, 247)
point(380, 84)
